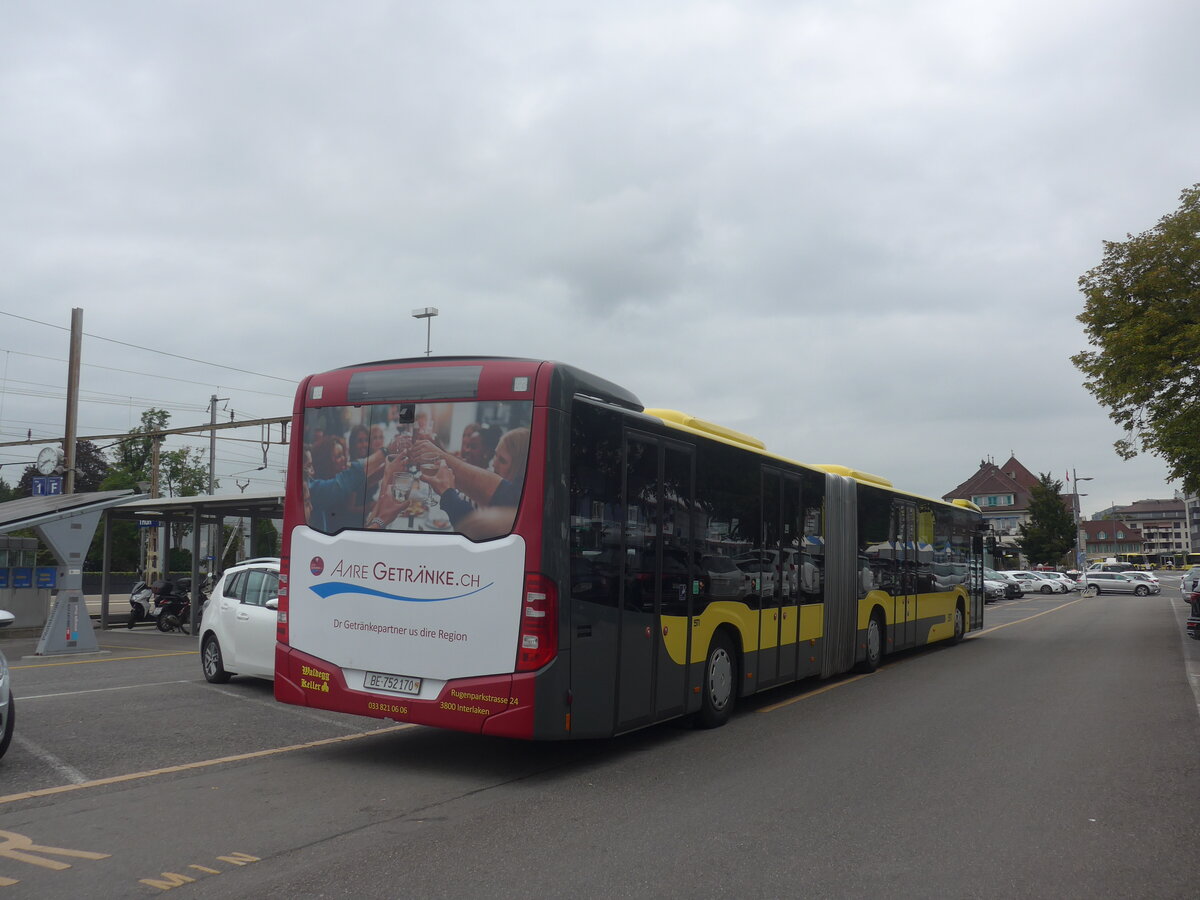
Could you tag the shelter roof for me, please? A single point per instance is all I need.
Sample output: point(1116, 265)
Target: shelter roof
point(211, 507)
point(29, 512)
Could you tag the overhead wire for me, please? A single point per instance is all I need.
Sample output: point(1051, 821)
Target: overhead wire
point(154, 375)
point(151, 349)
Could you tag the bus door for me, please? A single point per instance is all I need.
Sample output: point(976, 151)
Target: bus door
point(657, 580)
point(781, 558)
point(771, 565)
point(904, 527)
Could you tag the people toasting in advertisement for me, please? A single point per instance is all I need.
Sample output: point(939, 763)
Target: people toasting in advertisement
point(412, 483)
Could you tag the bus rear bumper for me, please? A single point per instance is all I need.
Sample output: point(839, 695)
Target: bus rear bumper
point(500, 705)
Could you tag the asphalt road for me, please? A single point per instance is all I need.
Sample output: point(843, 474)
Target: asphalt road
point(1052, 755)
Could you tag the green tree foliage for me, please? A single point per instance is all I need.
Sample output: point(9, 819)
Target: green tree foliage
point(91, 468)
point(132, 456)
point(1142, 316)
point(181, 473)
point(7, 492)
point(1050, 532)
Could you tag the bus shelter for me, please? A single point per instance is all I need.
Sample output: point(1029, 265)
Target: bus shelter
point(197, 512)
point(66, 523)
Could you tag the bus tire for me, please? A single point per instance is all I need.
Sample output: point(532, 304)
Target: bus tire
point(718, 693)
point(960, 624)
point(874, 642)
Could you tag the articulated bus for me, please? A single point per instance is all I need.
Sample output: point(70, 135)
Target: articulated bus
point(1137, 561)
point(516, 547)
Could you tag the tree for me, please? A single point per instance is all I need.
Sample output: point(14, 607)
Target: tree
point(1050, 532)
point(1143, 317)
point(91, 468)
point(182, 472)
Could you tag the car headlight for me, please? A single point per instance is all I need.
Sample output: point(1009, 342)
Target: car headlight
point(3, 671)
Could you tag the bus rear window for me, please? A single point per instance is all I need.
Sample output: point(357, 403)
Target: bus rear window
point(454, 468)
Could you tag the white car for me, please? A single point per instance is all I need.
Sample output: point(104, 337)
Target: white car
point(1041, 583)
point(1071, 583)
point(237, 629)
point(8, 710)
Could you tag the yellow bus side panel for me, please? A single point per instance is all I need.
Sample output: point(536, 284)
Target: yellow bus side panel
point(743, 619)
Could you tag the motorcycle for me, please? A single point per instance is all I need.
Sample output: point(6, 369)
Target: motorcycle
point(176, 606)
point(141, 605)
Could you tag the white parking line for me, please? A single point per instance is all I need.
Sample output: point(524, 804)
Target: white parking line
point(334, 719)
point(123, 687)
point(70, 773)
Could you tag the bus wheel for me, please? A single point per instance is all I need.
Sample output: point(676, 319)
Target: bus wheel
point(874, 645)
point(719, 692)
point(959, 625)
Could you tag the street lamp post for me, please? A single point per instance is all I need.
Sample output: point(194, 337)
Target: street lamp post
point(427, 313)
point(1080, 534)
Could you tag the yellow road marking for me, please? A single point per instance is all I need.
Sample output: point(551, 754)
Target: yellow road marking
point(21, 848)
point(201, 764)
point(82, 662)
point(815, 691)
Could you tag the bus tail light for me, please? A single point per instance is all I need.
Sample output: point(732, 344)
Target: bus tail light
point(538, 642)
point(281, 616)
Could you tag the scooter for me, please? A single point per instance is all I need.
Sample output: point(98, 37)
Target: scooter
point(141, 605)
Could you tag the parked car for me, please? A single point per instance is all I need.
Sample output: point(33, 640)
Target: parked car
point(1071, 583)
point(1041, 583)
point(8, 706)
point(1148, 577)
point(237, 628)
point(994, 590)
point(1118, 583)
point(1190, 582)
point(1016, 588)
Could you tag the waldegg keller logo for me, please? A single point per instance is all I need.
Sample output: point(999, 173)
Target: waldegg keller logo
point(317, 566)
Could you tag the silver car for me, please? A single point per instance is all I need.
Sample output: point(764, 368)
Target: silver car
point(7, 704)
point(1117, 583)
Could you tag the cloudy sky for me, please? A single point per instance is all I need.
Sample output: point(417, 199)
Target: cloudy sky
point(852, 228)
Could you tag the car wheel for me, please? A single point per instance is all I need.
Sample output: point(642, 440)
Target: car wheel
point(719, 691)
point(1141, 590)
point(1047, 589)
point(212, 662)
point(9, 721)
